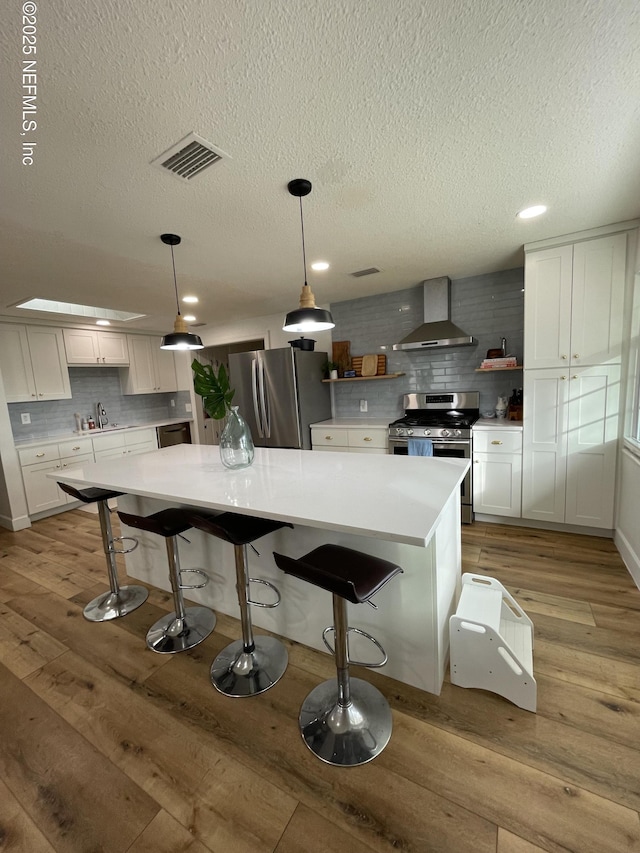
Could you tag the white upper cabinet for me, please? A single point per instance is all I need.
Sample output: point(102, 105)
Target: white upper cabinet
point(151, 370)
point(93, 347)
point(574, 303)
point(33, 363)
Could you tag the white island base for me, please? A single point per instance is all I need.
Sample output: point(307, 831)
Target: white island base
point(327, 497)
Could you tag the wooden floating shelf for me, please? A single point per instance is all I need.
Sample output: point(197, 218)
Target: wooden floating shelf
point(364, 378)
point(496, 369)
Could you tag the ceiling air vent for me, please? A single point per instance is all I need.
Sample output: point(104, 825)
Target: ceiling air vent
point(189, 157)
point(368, 271)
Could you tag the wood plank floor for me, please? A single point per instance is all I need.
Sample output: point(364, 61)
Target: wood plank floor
point(106, 746)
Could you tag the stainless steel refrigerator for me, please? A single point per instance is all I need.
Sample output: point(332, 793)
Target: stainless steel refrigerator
point(280, 392)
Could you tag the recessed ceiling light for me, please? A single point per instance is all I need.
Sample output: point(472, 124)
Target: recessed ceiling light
point(320, 265)
point(189, 318)
point(530, 212)
point(102, 323)
point(189, 299)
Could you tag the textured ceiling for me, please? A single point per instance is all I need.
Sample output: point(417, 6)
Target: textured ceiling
point(424, 127)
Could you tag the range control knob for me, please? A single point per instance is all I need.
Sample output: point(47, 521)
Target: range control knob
point(458, 432)
point(445, 432)
point(399, 431)
point(409, 432)
point(427, 432)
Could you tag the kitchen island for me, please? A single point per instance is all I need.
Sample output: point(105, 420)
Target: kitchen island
point(403, 509)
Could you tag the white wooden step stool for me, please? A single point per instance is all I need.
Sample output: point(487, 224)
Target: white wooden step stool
point(491, 641)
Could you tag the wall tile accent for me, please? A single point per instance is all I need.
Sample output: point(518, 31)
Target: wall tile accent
point(88, 386)
point(489, 307)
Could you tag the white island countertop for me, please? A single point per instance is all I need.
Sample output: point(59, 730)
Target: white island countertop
point(395, 498)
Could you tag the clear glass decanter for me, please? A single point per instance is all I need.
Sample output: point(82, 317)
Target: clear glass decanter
point(236, 443)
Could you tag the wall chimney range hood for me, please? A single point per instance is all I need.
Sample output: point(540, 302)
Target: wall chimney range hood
point(437, 329)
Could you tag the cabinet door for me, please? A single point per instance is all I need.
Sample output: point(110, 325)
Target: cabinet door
point(49, 363)
point(112, 348)
point(544, 444)
point(42, 491)
point(166, 375)
point(81, 346)
point(597, 300)
point(547, 307)
point(497, 483)
point(141, 376)
point(594, 394)
point(15, 364)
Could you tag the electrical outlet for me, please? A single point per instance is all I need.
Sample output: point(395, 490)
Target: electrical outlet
point(187, 407)
point(25, 417)
point(364, 407)
point(173, 403)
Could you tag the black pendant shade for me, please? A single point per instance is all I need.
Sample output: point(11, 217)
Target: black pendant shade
point(181, 338)
point(306, 318)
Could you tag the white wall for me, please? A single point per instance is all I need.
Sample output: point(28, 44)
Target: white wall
point(269, 328)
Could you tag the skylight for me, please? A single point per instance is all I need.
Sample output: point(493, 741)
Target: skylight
point(88, 311)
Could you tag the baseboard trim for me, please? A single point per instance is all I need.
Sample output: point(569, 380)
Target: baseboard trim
point(629, 556)
point(14, 524)
point(545, 525)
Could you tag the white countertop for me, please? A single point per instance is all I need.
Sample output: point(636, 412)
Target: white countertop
point(497, 423)
point(362, 423)
point(396, 498)
point(96, 433)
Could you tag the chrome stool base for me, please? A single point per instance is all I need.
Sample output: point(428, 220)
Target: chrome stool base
point(238, 673)
point(346, 736)
point(170, 634)
point(112, 605)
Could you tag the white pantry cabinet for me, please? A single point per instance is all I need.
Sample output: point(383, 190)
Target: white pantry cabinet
point(151, 370)
point(33, 363)
point(573, 303)
point(92, 347)
point(497, 472)
point(570, 442)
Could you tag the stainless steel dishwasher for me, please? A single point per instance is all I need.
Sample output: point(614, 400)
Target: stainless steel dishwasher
point(174, 434)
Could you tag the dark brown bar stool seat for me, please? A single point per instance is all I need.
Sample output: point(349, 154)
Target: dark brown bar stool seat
point(120, 600)
point(186, 626)
point(251, 665)
point(345, 721)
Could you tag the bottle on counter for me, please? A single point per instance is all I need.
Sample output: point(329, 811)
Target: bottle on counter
point(84, 424)
point(78, 418)
point(91, 423)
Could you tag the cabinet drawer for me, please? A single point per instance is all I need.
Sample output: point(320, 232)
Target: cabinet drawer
point(73, 462)
point(368, 438)
point(141, 436)
point(330, 436)
point(75, 448)
point(108, 442)
point(44, 453)
point(497, 441)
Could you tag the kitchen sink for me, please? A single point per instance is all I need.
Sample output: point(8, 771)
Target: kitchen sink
point(112, 427)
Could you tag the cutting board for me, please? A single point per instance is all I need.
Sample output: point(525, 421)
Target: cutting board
point(341, 355)
point(369, 365)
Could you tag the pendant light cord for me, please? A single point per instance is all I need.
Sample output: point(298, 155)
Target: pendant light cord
point(304, 254)
point(175, 281)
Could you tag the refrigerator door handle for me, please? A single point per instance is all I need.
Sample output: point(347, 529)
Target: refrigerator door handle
point(266, 424)
point(254, 395)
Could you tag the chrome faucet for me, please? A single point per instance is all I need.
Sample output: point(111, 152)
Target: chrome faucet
point(101, 416)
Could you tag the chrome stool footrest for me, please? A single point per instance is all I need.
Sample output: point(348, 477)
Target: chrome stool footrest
point(375, 642)
point(193, 572)
point(124, 539)
point(272, 587)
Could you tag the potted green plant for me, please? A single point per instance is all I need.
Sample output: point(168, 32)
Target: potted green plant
point(327, 367)
point(214, 389)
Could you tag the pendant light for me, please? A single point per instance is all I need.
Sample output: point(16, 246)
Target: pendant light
point(306, 318)
point(180, 338)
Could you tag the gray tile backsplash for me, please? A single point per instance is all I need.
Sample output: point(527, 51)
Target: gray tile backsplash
point(489, 307)
point(88, 386)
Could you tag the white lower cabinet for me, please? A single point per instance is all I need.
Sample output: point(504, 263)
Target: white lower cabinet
point(124, 443)
point(570, 445)
point(37, 463)
point(497, 472)
point(349, 439)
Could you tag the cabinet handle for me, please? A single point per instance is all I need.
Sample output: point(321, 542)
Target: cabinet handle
point(98, 359)
point(367, 438)
point(575, 376)
point(563, 377)
point(57, 466)
point(576, 355)
point(103, 359)
point(38, 455)
point(496, 442)
point(33, 395)
point(41, 394)
point(76, 448)
point(328, 438)
point(563, 356)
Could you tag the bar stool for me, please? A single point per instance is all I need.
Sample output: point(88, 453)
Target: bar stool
point(120, 600)
point(251, 665)
point(347, 721)
point(186, 626)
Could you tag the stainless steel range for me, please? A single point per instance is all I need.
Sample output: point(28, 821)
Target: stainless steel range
point(446, 420)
